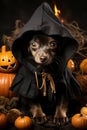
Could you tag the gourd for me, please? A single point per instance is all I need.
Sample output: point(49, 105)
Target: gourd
point(83, 110)
point(79, 121)
point(23, 122)
point(3, 120)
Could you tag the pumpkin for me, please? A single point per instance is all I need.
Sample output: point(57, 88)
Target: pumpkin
point(8, 62)
point(83, 66)
point(23, 123)
point(71, 65)
point(79, 121)
point(5, 83)
point(82, 80)
point(83, 111)
point(3, 120)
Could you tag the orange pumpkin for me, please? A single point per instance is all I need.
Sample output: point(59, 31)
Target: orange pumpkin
point(23, 123)
point(5, 83)
point(71, 65)
point(78, 121)
point(83, 111)
point(83, 66)
point(3, 120)
point(8, 63)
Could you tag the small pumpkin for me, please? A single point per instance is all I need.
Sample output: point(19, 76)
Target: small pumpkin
point(3, 120)
point(83, 111)
point(5, 83)
point(8, 62)
point(71, 65)
point(23, 122)
point(79, 121)
point(83, 66)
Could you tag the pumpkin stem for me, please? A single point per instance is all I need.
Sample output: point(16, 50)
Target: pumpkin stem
point(3, 48)
point(81, 114)
point(22, 114)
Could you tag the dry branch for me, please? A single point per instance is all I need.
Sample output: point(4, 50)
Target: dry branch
point(80, 35)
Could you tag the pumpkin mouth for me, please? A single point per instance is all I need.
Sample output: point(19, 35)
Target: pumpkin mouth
point(9, 67)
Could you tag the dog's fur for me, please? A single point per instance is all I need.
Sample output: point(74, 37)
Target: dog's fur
point(42, 50)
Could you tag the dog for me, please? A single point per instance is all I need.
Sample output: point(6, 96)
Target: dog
point(42, 50)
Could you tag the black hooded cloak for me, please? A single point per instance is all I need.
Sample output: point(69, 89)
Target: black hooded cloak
point(44, 21)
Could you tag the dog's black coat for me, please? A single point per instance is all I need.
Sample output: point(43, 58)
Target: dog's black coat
point(43, 21)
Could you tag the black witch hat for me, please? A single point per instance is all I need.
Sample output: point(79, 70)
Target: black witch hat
point(44, 21)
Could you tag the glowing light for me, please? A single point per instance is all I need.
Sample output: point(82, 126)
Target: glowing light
point(57, 13)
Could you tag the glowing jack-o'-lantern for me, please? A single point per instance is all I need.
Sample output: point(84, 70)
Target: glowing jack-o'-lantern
point(8, 63)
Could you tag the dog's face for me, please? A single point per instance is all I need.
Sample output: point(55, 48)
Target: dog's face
point(43, 49)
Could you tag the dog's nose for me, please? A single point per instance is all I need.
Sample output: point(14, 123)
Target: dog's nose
point(43, 58)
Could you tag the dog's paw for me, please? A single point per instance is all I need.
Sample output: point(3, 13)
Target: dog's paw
point(61, 121)
point(60, 117)
point(40, 118)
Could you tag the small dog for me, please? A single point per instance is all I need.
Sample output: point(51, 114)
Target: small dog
point(42, 50)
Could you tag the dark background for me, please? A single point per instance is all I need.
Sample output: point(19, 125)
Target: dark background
point(10, 10)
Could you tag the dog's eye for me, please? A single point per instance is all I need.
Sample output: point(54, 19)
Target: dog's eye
point(34, 45)
point(53, 44)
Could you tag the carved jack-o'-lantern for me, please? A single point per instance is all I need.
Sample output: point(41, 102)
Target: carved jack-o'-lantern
point(8, 63)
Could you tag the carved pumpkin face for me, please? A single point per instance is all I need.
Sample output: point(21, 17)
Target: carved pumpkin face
point(8, 63)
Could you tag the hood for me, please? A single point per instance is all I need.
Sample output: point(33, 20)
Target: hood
point(44, 21)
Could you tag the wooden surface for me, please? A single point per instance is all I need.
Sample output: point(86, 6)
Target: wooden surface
point(38, 127)
point(74, 108)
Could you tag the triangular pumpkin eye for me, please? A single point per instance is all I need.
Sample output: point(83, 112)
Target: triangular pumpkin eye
point(9, 60)
point(3, 59)
point(12, 56)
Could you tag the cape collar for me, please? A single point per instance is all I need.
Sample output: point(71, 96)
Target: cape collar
point(33, 67)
